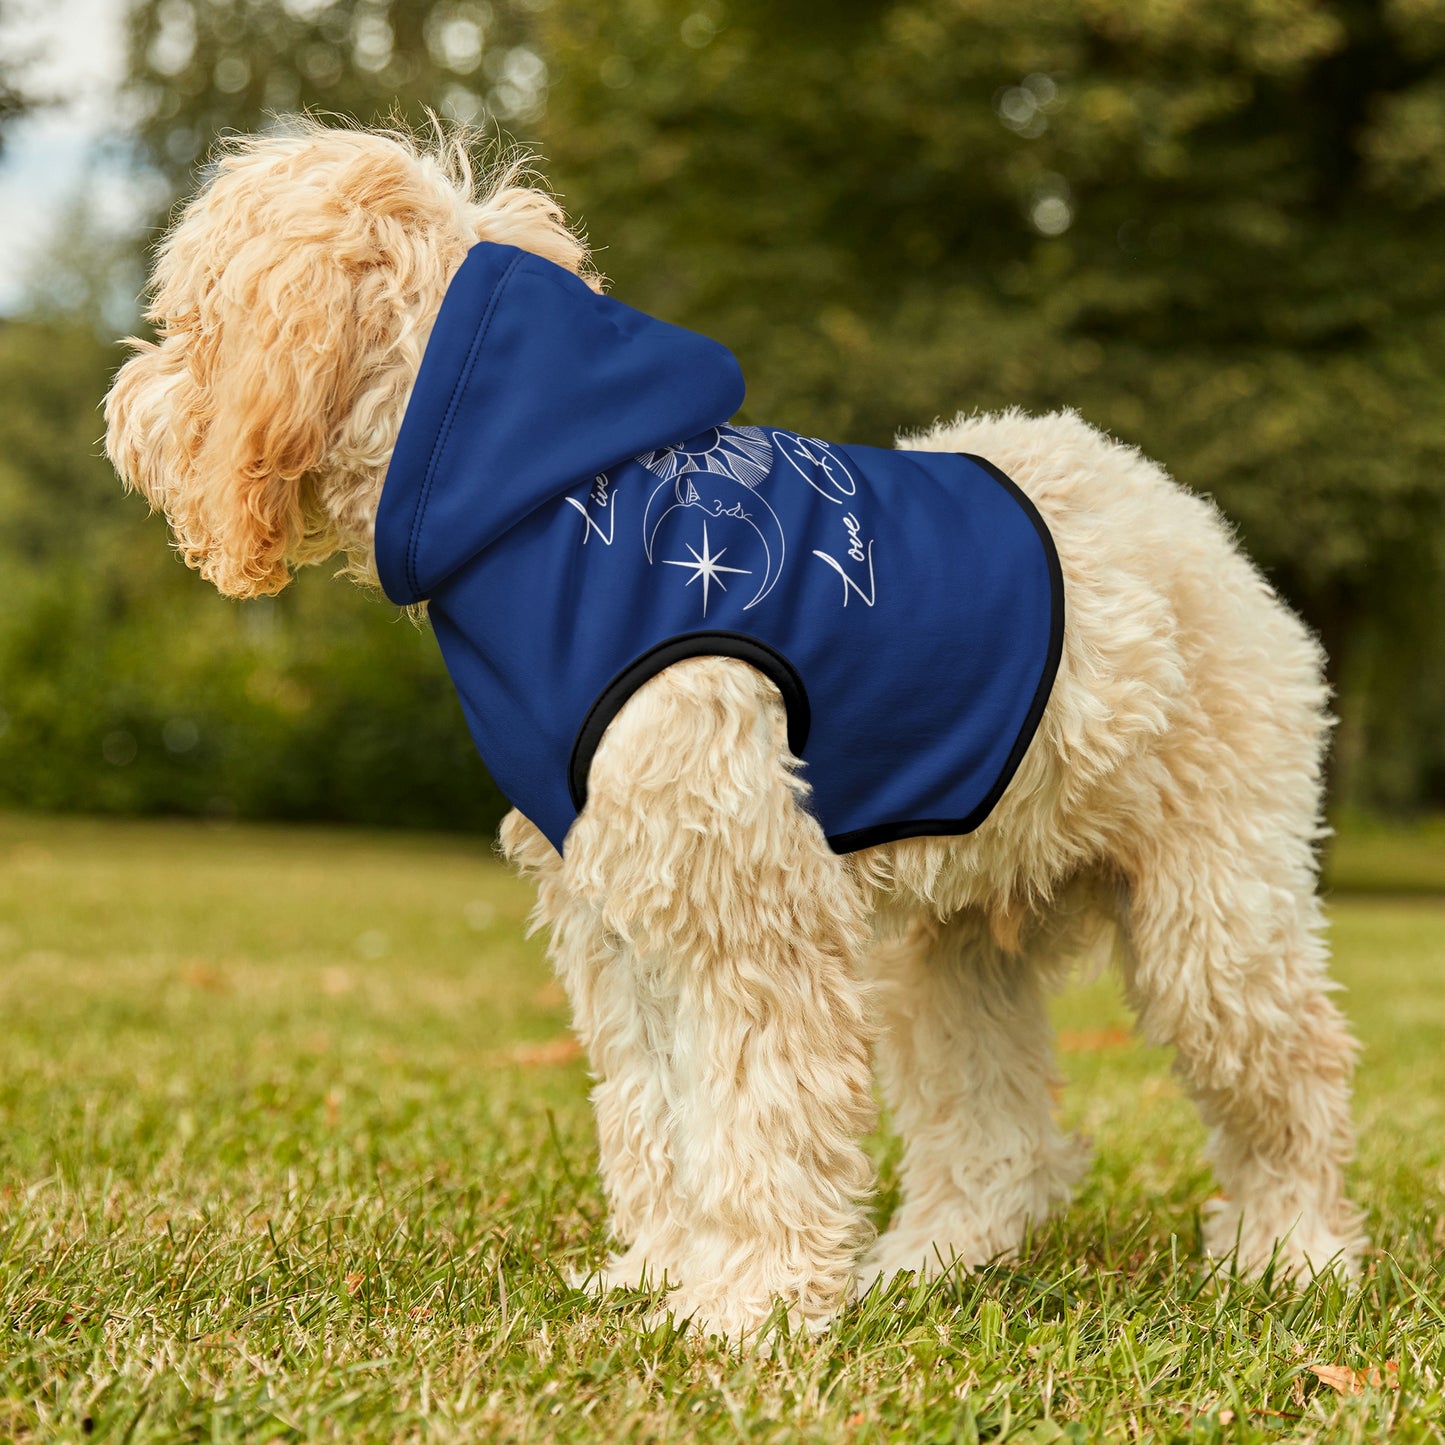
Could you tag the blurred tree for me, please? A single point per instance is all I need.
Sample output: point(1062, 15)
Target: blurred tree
point(125, 683)
point(201, 67)
point(1216, 227)
point(14, 99)
point(52, 374)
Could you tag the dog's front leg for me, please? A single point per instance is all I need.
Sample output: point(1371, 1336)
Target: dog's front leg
point(624, 1024)
point(699, 859)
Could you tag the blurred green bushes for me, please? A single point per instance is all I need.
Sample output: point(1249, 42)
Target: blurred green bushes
point(293, 709)
point(1215, 227)
point(128, 686)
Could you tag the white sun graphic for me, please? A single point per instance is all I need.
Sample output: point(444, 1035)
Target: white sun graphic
point(706, 567)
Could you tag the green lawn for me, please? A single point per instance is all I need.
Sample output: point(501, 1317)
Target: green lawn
point(292, 1146)
point(1370, 856)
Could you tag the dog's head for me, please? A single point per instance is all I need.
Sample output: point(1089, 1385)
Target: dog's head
point(292, 301)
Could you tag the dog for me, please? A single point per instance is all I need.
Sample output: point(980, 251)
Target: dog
point(733, 975)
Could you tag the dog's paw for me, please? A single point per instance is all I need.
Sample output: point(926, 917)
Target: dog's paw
point(1298, 1245)
point(964, 1228)
point(955, 1244)
point(752, 1324)
point(633, 1270)
point(895, 1255)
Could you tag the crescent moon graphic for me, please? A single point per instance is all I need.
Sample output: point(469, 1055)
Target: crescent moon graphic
point(717, 495)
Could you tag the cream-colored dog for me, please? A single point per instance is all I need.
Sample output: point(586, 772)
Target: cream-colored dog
point(731, 980)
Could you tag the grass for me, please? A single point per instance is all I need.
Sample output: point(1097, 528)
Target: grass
point(1369, 855)
point(292, 1146)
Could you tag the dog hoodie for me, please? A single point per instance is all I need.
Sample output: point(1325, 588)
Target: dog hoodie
point(570, 496)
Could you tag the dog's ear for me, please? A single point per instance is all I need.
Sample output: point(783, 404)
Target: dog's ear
point(224, 423)
point(147, 410)
point(288, 337)
point(281, 299)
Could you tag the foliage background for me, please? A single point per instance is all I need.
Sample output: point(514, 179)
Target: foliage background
point(1215, 227)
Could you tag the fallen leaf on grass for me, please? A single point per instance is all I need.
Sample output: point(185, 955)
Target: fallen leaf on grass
point(1090, 1041)
point(561, 1050)
point(1345, 1381)
point(197, 973)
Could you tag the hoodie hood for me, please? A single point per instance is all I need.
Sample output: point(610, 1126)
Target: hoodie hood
point(531, 382)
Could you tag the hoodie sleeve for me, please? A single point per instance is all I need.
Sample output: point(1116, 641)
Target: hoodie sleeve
point(531, 382)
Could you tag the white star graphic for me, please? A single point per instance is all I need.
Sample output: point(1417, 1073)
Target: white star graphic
point(706, 567)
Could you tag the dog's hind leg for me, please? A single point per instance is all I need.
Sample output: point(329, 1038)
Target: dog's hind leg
point(1228, 965)
point(625, 1027)
point(966, 1061)
point(696, 852)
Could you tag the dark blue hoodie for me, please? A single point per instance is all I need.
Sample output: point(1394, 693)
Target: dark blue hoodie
point(569, 495)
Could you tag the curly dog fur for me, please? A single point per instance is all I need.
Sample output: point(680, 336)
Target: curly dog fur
point(733, 979)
